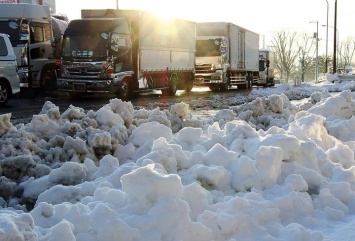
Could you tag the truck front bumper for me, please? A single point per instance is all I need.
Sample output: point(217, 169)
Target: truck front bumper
point(92, 85)
point(87, 85)
point(24, 77)
point(210, 78)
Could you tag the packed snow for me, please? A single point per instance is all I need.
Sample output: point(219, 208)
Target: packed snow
point(270, 169)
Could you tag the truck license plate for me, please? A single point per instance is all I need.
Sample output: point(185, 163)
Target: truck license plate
point(79, 87)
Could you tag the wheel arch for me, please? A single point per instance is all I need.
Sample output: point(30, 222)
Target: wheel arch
point(45, 67)
point(7, 84)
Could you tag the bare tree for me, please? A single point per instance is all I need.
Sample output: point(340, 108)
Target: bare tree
point(306, 48)
point(346, 51)
point(286, 52)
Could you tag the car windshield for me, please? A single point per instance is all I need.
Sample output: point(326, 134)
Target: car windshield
point(91, 45)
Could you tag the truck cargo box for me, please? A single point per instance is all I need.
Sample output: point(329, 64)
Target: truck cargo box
point(157, 44)
point(244, 44)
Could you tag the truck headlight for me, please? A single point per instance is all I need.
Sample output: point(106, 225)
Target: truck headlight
point(108, 73)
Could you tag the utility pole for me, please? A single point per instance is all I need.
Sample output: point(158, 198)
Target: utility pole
point(335, 37)
point(118, 0)
point(316, 74)
point(316, 64)
point(326, 41)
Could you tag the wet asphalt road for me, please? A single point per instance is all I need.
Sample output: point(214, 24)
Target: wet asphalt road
point(26, 105)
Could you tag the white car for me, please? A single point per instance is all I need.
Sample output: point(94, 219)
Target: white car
point(9, 79)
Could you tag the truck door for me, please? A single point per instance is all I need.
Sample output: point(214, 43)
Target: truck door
point(241, 49)
point(40, 47)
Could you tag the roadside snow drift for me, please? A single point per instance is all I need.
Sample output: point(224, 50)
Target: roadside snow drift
point(265, 170)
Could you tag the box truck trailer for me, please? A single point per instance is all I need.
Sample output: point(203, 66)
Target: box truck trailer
point(226, 55)
point(126, 52)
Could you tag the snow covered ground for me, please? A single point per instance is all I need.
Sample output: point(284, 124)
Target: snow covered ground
point(264, 170)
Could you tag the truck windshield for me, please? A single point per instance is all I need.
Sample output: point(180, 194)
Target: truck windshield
point(262, 65)
point(209, 47)
point(11, 28)
point(91, 46)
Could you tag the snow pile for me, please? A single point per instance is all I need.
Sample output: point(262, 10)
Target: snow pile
point(265, 170)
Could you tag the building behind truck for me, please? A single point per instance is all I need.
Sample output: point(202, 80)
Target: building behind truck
point(266, 68)
point(31, 34)
point(226, 55)
point(126, 52)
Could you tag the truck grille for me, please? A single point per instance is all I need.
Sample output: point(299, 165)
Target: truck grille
point(204, 68)
point(84, 70)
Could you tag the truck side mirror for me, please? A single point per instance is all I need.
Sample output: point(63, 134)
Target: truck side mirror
point(24, 32)
point(24, 59)
point(267, 63)
point(54, 41)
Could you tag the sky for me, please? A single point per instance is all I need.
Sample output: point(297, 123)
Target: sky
point(263, 17)
point(271, 169)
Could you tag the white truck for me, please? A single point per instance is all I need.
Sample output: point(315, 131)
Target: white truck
point(9, 80)
point(126, 52)
point(226, 55)
point(266, 68)
point(31, 34)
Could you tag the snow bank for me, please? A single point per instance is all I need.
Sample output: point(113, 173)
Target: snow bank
point(265, 170)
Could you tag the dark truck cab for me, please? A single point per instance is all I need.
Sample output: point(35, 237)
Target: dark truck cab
point(96, 56)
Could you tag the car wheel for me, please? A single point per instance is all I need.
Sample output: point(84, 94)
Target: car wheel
point(4, 93)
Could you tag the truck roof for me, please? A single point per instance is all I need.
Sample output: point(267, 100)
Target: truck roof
point(24, 10)
point(90, 25)
point(216, 28)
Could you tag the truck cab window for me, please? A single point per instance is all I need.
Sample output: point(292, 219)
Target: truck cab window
point(118, 43)
point(36, 35)
point(40, 32)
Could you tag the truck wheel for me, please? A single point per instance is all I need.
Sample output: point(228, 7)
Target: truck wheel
point(189, 85)
point(74, 95)
point(223, 87)
point(214, 87)
point(124, 92)
point(171, 90)
point(242, 86)
point(48, 82)
point(4, 93)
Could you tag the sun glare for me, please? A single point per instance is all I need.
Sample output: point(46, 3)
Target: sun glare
point(160, 8)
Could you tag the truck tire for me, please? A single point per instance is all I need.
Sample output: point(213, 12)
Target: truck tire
point(125, 91)
point(172, 88)
point(74, 95)
point(189, 85)
point(48, 82)
point(214, 87)
point(4, 93)
point(241, 86)
point(223, 87)
point(249, 82)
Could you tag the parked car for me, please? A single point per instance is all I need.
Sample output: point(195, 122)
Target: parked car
point(9, 79)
